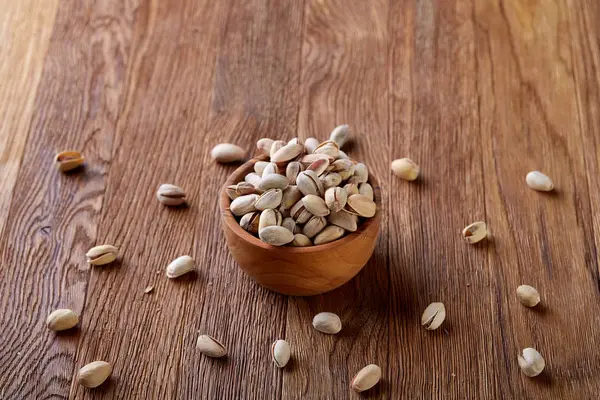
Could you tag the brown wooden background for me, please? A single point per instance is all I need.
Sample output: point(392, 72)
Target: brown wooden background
point(477, 92)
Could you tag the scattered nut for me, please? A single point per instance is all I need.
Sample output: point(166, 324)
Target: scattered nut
point(68, 160)
point(280, 353)
point(531, 362)
point(180, 266)
point(94, 374)
point(227, 152)
point(100, 255)
point(327, 322)
point(538, 181)
point(475, 232)
point(433, 316)
point(405, 168)
point(170, 195)
point(528, 295)
point(211, 347)
point(366, 378)
point(148, 289)
point(61, 319)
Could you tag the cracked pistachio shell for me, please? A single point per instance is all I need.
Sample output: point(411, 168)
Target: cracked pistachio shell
point(249, 222)
point(311, 158)
point(308, 182)
point(528, 295)
point(94, 374)
point(475, 232)
point(300, 213)
point(327, 322)
point(291, 195)
point(292, 170)
point(351, 188)
point(538, 181)
point(277, 144)
point(287, 153)
point(270, 168)
point(259, 167)
point(61, 319)
point(170, 195)
point(269, 199)
point(335, 198)
point(361, 205)
point(433, 316)
point(269, 218)
point(340, 135)
point(319, 166)
point(366, 378)
point(361, 174)
point(243, 204)
point(264, 146)
point(310, 145)
point(314, 226)
point(68, 160)
point(315, 205)
point(300, 240)
point(531, 362)
point(366, 190)
point(406, 169)
point(329, 234)
point(331, 179)
point(103, 254)
point(180, 266)
point(211, 347)
point(296, 141)
point(280, 353)
point(275, 235)
point(344, 220)
point(252, 178)
point(227, 152)
point(289, 224)
point(342, 165)
point(328, 147)
point(244, 188)
point(231, 191)
point(272, 181)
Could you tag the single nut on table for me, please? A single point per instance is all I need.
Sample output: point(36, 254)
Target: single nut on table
point(433, 316)
point(269, 199)
point(301, 240)
point(315, 205)
point(280, 353)
point(344, 220)
point(531, 362)
point(329, 234)
point(180, 266)
point(68, 160)
point(211, 347)
point(269, 217)
point(340, 135)
point(249, 222)
point(308, 183)
point(366, 378)
point(406, 169)
point(528, 295)
point(275, 235)
point(61, 319)
point(366, 190)
point(475, 232)
point(227, 152)
point(314, 226)
point(310, 145)
point(94, 374)
point(103, 254)
point(538, 181)
point(264, 146)
point(272, 181)
point(327, 322)
point(336, 198)
point(259, 167)
point(170, 195)
point(243, 204)
point(361, 205)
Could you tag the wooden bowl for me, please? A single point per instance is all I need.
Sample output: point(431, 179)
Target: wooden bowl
point(299, 271)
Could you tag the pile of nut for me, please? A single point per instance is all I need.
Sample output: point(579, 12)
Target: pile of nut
point(307, 193)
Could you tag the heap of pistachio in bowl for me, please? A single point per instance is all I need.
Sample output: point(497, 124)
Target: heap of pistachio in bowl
point(306, 194)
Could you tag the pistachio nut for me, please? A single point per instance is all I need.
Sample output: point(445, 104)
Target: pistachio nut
point(311, 158)
point(287, 153)
point(351, 188)
point(291, 195)
point(538, 181)
point(300, 240)
point(315, 205)
point(61, 319)
point(335, 198)
point(289, 224)
point(366, 190)
point(475, 232)
point(252, 178)
point(531, 362)
point(244, 188)
point(94, 374)
point(310, 144)
point(344, 167)
point(300, 213)
point(272, 181)
point(180, 266)
point(344, 220)
point(361, 174)
point(231, 191)
point(327, 322)
point(285, 213)
point(296, 140)
point(329, 234)
point(331, 179)
point(406, 169)
point(271, 168)
point(249, 222)
point(227, 152)
point(308, 182)
point(264, 146)
point(319, 166)
point(259, 167)
point(292, 170)
point(170, 195)
point(340, 135)
point(269, 199)
point(433, 316)
point(314, 226)
point(528, 295)
point(328, 147)
point(366, 378)
point(103, 254)
point(243, 204)
point(211, 347)
point(269, 217)
point(68, 160)
point(280, 353)
point(275, 235)
point(361, 205)
point(277, 144)
point(342, 156)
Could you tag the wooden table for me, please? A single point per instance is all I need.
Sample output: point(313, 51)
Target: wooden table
point(477, 92)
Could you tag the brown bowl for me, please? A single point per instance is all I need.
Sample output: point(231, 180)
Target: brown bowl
point(299, 271)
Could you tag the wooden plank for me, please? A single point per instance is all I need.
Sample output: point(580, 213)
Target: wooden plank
point(254, 95)
point(434, 121)
point(53, 217)
point(344, 80)
point(530, 120)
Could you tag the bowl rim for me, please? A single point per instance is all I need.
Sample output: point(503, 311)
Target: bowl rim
point(229, 219)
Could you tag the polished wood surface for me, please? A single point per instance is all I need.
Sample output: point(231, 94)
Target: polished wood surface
point(476, 92)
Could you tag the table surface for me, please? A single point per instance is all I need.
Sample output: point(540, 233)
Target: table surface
point(477, 92)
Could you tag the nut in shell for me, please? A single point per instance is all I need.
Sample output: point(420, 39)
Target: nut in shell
point(351, 188)
point(319, 166)
point(475, 232)
point(366, 190)
point(366, 378)
point(331, 179)
point(300, 240)
point(327, 322)
point(289, 224)
point(311, 158)
point(249, 222)
point(211, 347)
point(433, 316)
point(329, 234)
point(406, 169)
point(259, 167)
point(340, 135)
point(94, 374)
point(315, 205)
point(344, 220)
point(180, 266)
point(227, 152)
point(300, 213)
point(292, 170)
point(538, 181)
point(269, 217)
point(314, 226)
point(287, 153)
point(277, 144)
point(528, 295)
point(269, 199)
point(270, 168)
point(308, 183)
point(264, 146)
point(170, 195)
point(272, 181)
point(275, 235)
point(335, 198)
point(243, 204)
point(310, 145)
point(101, 255)
point(531, 362)
point(253, 178)
point(361, 205)
point(62, 319)
point(291, 195)
point(68, 160)
point(328, 147)
point(361, 174)
point(280, 353)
